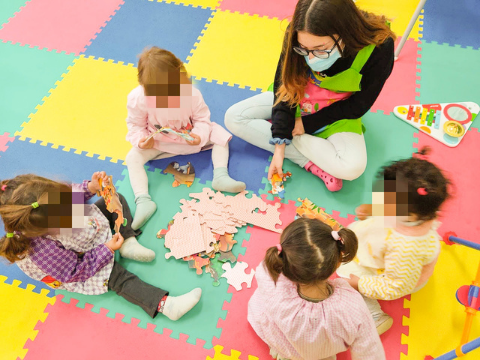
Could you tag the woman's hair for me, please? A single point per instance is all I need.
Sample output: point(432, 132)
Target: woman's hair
point(160, 72)
point(419, 184)
point(355, 28)
point(26, 221)
point(309, 252)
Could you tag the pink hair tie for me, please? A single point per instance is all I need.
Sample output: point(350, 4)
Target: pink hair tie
point(422, 191)
point(337, 237)
point(4, 186)
point(279, 247)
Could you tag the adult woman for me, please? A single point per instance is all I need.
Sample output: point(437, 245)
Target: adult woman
point(334, 63)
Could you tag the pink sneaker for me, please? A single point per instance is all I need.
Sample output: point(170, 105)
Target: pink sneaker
point(332, 183)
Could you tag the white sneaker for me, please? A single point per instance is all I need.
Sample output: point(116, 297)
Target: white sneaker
point(383, 322)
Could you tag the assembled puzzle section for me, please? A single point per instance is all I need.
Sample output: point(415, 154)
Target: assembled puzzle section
point(446, 122)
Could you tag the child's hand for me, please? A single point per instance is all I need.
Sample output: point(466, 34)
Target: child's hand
point(94, 184)
point(115, 242)
point(298, 129)
point(363, 211)
point(142, 144)
point(353, 281)
point(196, 139)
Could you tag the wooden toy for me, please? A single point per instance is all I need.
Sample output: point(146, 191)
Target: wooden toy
point(446, 122)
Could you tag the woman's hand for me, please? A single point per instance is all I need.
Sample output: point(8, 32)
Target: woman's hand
point(142, 144)
point(277, 161)
point(298, 129)
point(94, 184)
point(115, 242)
point(196, 140)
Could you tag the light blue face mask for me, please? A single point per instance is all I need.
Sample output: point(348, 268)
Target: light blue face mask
point(317, 64)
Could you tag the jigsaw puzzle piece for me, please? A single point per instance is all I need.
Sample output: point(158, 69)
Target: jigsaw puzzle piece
point(227, 256)
point(236, 276)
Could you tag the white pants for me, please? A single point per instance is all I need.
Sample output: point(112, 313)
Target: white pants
point(137, 158)
point(342, 155)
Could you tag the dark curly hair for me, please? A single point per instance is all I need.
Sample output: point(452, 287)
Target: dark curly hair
point(423, 187)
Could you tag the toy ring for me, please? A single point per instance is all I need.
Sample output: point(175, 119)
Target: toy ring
point(454, 128)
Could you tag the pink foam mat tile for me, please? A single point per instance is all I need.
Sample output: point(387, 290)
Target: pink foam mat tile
point(4, 140)
point(61, 25)
point(401, 87)
point(236, 331)
point(238, 334)
point(281, 9)
point(74, 333)
point(460, 212)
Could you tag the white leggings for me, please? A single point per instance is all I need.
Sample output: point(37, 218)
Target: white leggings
point(342, 155)
point(137, 158)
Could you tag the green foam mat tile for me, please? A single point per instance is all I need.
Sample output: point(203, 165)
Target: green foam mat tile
point(27, 83)
point(449, 74)
point(8, 10)
point(172, 275)
point(387, 137)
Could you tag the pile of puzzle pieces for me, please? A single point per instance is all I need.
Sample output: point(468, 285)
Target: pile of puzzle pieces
point(202, 232)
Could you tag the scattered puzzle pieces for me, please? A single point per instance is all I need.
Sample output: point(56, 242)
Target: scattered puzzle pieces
point(236, 276)
point(182, 174)
point(205, 226)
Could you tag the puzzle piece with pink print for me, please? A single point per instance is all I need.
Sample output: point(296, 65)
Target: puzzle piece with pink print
point(236, 276)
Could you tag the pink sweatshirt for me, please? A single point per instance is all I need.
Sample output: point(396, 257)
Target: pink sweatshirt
point(299, 329)
point(193, 110)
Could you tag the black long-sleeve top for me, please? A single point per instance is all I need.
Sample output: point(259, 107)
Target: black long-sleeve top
point(375, 72)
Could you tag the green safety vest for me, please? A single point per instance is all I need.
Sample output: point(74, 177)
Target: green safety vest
point(345, 81)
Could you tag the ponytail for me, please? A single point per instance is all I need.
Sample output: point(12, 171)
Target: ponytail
point(274, 262)
point(348, 246)
point(14, 248)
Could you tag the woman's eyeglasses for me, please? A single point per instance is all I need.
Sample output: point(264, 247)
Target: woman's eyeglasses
point(322, 54)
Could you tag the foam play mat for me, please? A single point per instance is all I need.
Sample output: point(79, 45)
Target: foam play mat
point(66, 68)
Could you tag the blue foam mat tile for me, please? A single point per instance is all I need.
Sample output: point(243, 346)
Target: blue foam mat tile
point(23, 157)
point(12, 272)
point(247, 162)
point(462, 17)
point(141, 23)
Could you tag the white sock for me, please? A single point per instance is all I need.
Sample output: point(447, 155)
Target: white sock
point(177, 306)
point(131, 249)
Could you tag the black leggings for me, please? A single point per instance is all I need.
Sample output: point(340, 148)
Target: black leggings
point(122, 281)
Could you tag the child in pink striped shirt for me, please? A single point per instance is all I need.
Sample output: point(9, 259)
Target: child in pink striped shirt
point(301, 314)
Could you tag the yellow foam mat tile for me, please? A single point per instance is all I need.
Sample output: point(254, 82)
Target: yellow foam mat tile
point(436, 317)
point(212, 4)
point(400, 12)
point(87, 109)
point(234, 354)
point(238, 49)
point(21, 310)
